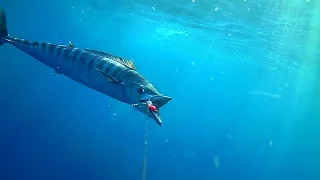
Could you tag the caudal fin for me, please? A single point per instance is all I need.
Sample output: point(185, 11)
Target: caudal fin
point(3, 26)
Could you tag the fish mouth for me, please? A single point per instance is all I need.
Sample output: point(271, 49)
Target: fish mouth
point(151, 107)
point(155, 113)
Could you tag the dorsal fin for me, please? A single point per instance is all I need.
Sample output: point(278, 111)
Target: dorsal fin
point(126, 62)
point(70, 44)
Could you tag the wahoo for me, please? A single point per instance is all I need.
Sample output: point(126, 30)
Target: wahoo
point(111, 75)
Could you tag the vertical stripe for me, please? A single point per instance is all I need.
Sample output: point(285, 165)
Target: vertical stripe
point(62, 52)
point(51, 48)
point(59, 53)
point(25, 42)
point(78, 58)
point(123, 73)
point(118, 69)
point(67, 52)
point(108, 68)
point(72, 56)
point(105, 65)
point(35, 44)
point(100, 64)
point(83, 58)
point(58, 50)
point(43, 46)
point(115, 67)
point(75, 54)
point(61, 56)
point(17, 40)
point(90, 62)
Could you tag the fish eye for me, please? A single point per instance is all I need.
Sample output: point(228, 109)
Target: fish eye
point(141, 90)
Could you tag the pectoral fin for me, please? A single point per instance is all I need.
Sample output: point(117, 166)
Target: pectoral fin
point(108, 77)
point(56, 71)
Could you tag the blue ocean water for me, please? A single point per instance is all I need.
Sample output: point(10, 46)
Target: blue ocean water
point(243, 74)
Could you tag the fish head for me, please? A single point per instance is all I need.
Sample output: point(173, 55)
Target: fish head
point(151, 107)
point(148, 100)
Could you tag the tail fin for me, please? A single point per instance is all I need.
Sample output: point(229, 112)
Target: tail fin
point(3, 26)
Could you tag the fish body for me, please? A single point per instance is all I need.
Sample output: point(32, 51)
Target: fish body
point(111, 75)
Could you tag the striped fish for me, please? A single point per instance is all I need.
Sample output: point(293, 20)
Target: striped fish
point(111, 75)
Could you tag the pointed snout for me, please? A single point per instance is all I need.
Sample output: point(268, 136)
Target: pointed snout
point(160, 100)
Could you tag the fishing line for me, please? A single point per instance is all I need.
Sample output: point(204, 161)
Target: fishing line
point(145, 157)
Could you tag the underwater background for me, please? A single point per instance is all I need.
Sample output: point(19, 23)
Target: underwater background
point(243, 74)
